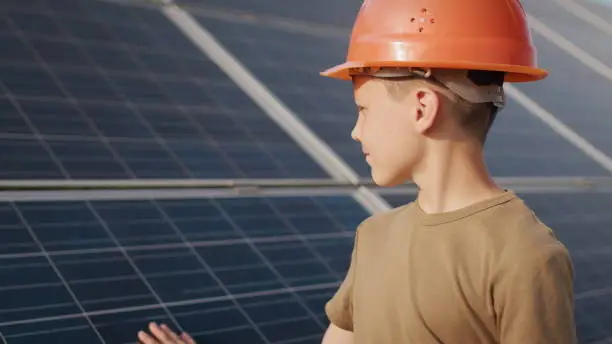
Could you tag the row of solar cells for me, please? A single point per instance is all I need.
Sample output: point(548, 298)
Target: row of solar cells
point(101, 90)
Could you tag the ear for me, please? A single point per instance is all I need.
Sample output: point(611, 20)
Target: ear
point(427, 105)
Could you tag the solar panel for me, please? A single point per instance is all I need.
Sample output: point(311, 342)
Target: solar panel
point(602, 8)
point(586, 112)
point(248, 270)
point(570, 20)
point(326, 106)
point(582, 221)
point(97, 90)
point(338, 12)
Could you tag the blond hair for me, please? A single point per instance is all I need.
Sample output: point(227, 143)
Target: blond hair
point(475, 119)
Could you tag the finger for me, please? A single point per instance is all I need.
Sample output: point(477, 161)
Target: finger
point(159, 334)
point(145, 338)
point(170, 334)
point(187, 338)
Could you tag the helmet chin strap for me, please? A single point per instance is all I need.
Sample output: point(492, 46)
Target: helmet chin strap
point(455, 80)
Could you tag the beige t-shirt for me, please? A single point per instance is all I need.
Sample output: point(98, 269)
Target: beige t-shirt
point(487, 273)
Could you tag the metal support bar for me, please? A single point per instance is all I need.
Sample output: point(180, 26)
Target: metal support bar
point(133, 190)
point(98, 195)
point(584, 182)
point(152, 184)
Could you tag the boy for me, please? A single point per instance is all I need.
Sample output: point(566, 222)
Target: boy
point(467, 262)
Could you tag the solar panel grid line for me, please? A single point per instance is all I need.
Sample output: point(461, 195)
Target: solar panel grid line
point(209, 271)
point(593, 293)
point(306, 243)
point(192, 243)
point(268, 264)
point(560, 128)
point(68, 95)
point(132, 264)
point(269, 20)
point(171, 304)
point(58, 273)
point(585, 14)
point(33, 128)
point(569, 47)
point(47, 332)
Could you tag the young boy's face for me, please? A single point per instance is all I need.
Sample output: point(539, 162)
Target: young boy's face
point(390, 129)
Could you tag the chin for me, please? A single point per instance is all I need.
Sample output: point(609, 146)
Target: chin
point(388, 180)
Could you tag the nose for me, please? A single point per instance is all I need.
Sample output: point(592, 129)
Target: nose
point(356, 132)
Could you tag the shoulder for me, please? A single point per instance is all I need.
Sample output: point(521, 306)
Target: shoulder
point(515, 228)
point(524, 244)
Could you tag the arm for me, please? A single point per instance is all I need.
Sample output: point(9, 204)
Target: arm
point(336, 335)
point(534, 299)
point(339, 309)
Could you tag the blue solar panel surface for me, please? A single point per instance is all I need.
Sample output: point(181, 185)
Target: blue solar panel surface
point(218, 267)
point(98, 90)
point(563, 17)
point(288, 63)
point(327, 107)
point(576, 95)
point(603, 8)
point(337, 12)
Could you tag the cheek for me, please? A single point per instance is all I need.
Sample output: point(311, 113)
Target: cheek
point(391, 135)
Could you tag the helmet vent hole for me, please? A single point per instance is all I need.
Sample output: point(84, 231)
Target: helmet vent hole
point(423, 19)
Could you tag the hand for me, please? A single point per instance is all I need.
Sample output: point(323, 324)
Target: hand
point(163, 335)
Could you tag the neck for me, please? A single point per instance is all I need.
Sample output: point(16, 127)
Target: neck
point(452, 178)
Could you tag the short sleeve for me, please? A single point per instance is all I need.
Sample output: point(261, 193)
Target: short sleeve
point(534, 300)
point(339, 309)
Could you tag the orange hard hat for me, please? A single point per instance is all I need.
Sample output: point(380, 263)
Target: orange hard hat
point(490, 35)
